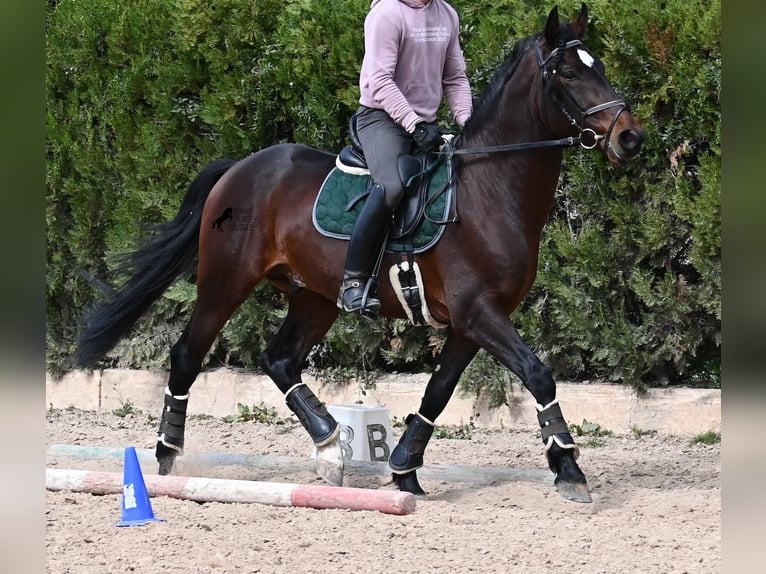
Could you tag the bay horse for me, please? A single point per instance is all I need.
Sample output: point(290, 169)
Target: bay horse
point(549, 94)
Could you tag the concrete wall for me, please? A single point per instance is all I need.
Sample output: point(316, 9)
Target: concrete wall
point(673, 411)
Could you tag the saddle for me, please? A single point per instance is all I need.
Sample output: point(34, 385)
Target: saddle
point(419, 221)
point(414, 172)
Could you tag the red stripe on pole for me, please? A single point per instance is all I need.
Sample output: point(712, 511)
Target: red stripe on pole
point(386, 501)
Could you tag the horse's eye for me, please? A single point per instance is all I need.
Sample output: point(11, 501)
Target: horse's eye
point(568, 74)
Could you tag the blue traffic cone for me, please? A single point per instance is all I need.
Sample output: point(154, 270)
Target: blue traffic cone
point(136, 508)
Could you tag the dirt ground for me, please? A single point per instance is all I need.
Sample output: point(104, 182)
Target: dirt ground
point(656, 508)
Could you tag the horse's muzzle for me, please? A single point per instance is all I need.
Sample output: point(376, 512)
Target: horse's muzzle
point(625, 145)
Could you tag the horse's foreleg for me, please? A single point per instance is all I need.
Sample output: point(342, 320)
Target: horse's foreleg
point(560, 448)
point(501, 339)
point(309, 316)
point(407, 456)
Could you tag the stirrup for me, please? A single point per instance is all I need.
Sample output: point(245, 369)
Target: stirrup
point(355, 297)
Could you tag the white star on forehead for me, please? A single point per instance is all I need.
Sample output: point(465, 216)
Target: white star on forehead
point(586, 58)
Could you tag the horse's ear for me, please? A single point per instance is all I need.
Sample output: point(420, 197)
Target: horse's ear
point(580, 26)
point(552, 28)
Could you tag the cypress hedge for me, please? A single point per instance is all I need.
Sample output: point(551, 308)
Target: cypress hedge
point(142, 93)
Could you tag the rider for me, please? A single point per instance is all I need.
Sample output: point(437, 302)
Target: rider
point(412, 59)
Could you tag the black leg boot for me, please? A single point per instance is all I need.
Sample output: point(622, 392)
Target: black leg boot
point(313, 414)
point(356, 292)
point(408, 454)
point(170, 436)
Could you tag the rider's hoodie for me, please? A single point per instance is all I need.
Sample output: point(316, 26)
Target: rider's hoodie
point(412, 59)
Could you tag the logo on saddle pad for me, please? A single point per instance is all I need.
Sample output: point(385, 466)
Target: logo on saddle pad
point(418, 222)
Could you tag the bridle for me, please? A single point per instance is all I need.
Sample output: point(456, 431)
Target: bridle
point(549, 73)
point(587, 138)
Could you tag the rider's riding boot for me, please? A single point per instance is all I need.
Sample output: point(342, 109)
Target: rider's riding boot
point(366, 243)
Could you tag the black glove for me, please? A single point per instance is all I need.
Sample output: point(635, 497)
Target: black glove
point(427, 136)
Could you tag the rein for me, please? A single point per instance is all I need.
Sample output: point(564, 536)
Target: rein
point(563, 142)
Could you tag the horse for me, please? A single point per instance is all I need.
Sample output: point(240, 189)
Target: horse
point(550, 94)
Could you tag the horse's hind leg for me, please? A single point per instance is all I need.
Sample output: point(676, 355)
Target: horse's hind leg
point(407, 457)
point(309, 316)
point(211, 312)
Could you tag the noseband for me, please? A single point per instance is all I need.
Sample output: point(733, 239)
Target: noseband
point(588, 138)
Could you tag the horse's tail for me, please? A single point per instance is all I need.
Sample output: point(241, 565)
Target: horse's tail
point(169, 252)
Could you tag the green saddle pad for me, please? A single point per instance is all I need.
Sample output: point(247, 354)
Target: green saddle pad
point(339, 189)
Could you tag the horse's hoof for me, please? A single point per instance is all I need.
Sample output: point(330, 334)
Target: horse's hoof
point(408, 482)
point(166, 465)
point(575, 491)
point(330, 462)
point(166, 457)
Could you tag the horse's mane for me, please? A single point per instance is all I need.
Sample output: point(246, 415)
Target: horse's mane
point(485, 106)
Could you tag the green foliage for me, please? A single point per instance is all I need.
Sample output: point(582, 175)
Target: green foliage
point(593, 432)
point(125, 409)
point(709, 437)
point(588, 428)
point(141, 95)
point(311, 70)
point(485, 376)
point(254, 414)
point(459, 432)
point(629, 285)
point(250, 329)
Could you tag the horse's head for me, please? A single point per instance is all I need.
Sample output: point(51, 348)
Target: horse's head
point(578, 95)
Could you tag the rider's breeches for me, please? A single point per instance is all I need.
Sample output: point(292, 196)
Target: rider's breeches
point(383, 141)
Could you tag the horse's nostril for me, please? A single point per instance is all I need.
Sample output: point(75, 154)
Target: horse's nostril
point(630, 140)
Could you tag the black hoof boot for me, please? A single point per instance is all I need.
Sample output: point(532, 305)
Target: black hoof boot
point(170, 437)
point(408, 482)
point(313, 414)
point(408, 454)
